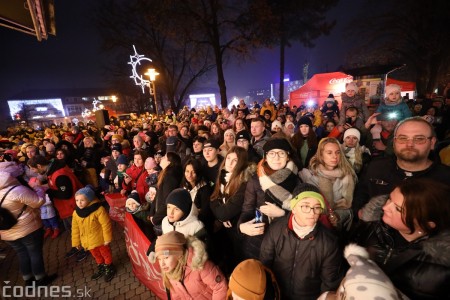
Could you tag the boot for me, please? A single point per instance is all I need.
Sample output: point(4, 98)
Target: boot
point(56, 232)
point(48, 232)
point(99, 273)
point(110, 271)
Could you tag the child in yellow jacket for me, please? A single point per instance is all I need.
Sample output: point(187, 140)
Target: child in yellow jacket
point(91, 229)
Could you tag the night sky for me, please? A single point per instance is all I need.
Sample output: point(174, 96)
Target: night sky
point(72, 58)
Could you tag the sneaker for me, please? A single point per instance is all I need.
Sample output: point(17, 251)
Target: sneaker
point(72, 252)
point(46, 280)
point(99, 273)
point(110, 271)
point(48, 232)
point(81, 255)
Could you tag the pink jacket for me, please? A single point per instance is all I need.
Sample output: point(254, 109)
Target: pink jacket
point(202, 279)
point(30, 220)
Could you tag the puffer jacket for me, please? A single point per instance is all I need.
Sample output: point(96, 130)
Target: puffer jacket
point(420, 269)
point(189, 226)
point(93, 230)
point(305, 267)
point(30, 220)
point(355, 101)
point(202, 279)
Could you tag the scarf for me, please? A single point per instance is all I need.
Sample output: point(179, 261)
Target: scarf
point(177, 273)
point(278, 184)
point(85, 212)
point(302, 231)
point(327, 179)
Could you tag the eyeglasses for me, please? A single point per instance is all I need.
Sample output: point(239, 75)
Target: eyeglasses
point(418, 139)
point(306, 209)
point(280, 154)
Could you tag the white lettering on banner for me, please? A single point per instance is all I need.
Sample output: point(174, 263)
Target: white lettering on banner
point(341, 80)
point(139, 260)
point(34, 291)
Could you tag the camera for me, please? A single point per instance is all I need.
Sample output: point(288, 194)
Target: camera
point(348, 120)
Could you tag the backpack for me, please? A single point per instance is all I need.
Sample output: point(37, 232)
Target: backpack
point(7, 219)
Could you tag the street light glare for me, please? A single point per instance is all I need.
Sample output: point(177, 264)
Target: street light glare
point(152, 74)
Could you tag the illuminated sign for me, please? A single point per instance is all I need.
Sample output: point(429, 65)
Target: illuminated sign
point(36, 109)
point(202, 100)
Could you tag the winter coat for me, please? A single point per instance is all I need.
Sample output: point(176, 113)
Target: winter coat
point(355, 101)
point(47, 210)
point(200, 195)
point(401, 110)
point(91, 231)
point(307, 267)
point(272, 110)
point(254, 198)
point(202, 279)
point(189, 226)
point(420, 269)
point(259, 144)
point(30, 220)
point(137, 182)
point(383, 175)
point(62, 185)
point(171, 181)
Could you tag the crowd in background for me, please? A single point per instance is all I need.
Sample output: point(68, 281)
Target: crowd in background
point(255, 202)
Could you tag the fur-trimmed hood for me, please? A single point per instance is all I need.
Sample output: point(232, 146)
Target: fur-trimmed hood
point(197, 253)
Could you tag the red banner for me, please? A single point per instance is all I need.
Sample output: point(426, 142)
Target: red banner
point(137, 244)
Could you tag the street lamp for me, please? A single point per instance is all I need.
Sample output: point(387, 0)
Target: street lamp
point(151, 73)
point(114, 99)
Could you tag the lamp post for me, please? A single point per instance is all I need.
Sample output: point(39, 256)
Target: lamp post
point(114, 99)
point(151, 73)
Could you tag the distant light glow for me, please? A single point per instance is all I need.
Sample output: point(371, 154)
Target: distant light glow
point(36, 109)
point(202, 100)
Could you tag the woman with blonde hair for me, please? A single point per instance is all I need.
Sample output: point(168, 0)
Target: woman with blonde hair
point(331, 172)
point(228, 142)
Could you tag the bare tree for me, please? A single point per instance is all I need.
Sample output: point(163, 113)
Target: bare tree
point(414, 33)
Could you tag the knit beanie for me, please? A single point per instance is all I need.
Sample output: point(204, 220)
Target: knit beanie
point(248, 280)
point(116, 147)
point(354, 132)
point(122, 160)
point(277, 143)
point(276, 124)
point(392, 88)
point(149, 163)
point(305, 121)
point(171, 243)
point(306, 190)
point(132, 198)
point(244, 135)
point(364, 279)
point(181, 198)
point(171, 144)
point(87, 192)
point(351, 86)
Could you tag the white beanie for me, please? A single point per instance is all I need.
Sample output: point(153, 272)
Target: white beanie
point(364, 279)
point(276, 124)
point(354, 132)
point(351, 86)
point(392, 88)
point(288, 123)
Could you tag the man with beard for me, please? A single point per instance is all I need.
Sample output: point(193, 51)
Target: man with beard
point(414, 139)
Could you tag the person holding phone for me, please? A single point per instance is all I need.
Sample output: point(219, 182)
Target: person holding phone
point(267, 194)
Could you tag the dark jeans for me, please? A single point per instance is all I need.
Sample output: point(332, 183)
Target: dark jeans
point(50, 223)
point(29, 250)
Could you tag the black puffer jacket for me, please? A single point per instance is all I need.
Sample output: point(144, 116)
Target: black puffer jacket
point(420, 269)
point(304, 268)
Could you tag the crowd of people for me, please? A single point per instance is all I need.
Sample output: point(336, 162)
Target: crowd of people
point(256, 202)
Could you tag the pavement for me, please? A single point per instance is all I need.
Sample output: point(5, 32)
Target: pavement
point(74, 279)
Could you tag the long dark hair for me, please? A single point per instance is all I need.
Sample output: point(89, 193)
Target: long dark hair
point(175, 163)
point(425, 201)
point(237, 177)
point(197, 166)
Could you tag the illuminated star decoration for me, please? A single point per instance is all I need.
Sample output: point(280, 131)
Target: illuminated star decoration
point(136, 60)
